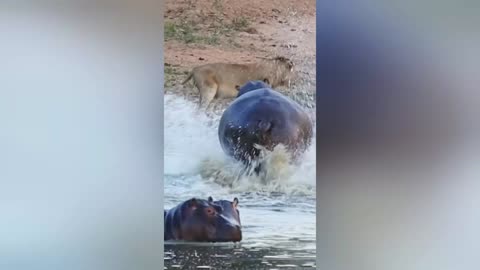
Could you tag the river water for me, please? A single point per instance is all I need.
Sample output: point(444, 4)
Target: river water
point(277, 212)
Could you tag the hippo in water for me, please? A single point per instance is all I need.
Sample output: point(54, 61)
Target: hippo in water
point(203, 221)
point(263, 118)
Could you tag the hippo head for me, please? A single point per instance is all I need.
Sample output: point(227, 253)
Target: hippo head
point(253, 85)
point(211, 221)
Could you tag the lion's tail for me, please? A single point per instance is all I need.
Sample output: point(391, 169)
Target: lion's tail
point(190, 75)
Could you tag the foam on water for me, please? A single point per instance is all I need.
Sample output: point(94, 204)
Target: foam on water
point(281, 175)
point(192, 149)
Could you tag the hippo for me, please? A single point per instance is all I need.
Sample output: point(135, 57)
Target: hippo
point(261, 117)
point(252, 85)
point(200, 220)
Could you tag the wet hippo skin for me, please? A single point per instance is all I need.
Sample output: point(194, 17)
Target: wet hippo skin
point(201, 220)
point(263, 117)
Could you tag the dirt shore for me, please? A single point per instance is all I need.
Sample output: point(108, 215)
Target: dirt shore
point(202, 31)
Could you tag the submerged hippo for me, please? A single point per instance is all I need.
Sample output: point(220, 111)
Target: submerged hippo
point(204, 221)
point(260, 116)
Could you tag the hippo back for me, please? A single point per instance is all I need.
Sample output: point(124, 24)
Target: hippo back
point(263, 117)
point(252, 85)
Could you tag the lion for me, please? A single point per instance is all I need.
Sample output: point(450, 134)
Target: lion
point(222, 80)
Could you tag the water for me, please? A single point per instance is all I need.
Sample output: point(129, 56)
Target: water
point(277, 215)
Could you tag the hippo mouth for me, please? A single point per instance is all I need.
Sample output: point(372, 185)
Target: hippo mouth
point(228, 229)
point(234, 234)
point(223, 234)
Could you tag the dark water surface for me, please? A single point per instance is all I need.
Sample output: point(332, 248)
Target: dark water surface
point(188, 256)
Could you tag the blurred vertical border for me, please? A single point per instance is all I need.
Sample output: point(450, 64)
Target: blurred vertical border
point(81, 135)
point(397, 135)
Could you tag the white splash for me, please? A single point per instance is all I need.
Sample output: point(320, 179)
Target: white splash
point(192, 149)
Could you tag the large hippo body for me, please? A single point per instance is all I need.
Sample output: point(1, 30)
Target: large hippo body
point(201, 220)
point(264, 117)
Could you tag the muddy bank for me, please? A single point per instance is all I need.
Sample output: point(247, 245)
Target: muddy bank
point(228, 33)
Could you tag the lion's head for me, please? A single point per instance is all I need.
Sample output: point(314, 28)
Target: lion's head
point(280, 71)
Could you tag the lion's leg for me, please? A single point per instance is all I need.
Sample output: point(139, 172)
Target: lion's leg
point(207, 94)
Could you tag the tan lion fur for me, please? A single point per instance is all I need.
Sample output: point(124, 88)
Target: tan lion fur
point(222, 80)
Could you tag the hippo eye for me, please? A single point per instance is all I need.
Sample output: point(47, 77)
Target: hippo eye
point(210, 211)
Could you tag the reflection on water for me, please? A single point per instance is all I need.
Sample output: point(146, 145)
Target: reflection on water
point(235, 256)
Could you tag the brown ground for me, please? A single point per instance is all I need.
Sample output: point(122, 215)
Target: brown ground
point(206, 31)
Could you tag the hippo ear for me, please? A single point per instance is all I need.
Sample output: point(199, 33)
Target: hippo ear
point(235, 202)
point(192, 203)
point(210, 199)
